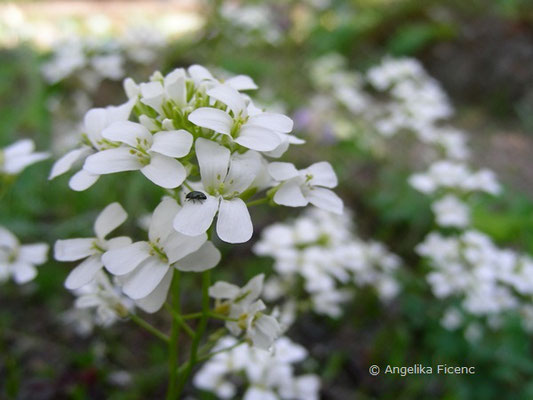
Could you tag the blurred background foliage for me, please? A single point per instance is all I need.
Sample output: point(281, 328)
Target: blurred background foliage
point(482, 53)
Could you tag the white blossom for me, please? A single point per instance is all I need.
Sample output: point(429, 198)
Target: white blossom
point(19, 155)
point(310, 185)
point(19, 260)
point(224, 177)
point(91, 249)
point(244, 309)
point(146, 268)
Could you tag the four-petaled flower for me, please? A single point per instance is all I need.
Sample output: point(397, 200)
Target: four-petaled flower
point(154, 155)
point(301, 187)
point(146, 268)
point(91, 249)
point(224, 177)
point(257, 132)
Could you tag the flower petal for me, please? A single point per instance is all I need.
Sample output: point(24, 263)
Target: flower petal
point(230, 97)
point(146, 278)
point(112, 160)
point(224, 290)
point(195, 218)
point(325, 199)
point(7, 239)
point(23, 272)
point(164, 171)
point(161, 222)
point(152, 94)
point(178, 245)
point(128, 132)
point(155, 300)
point(241, 82)
point(234, 224)
point(322, 174)
point(282, 171)
point(64, 163)
point(242, 171)
point(175, 86)
point(34, 253)
point(257, 138)
point(84, 272)
point(109, 219)
point(172, 143)
point(213, 160)
point(272, 121)
point(82, 180)
point(73, 249)
point(290, 194)
point(212, 118)
point(205, 258)
point(125, 259)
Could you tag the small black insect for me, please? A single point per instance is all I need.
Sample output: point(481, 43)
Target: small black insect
point(195, 196)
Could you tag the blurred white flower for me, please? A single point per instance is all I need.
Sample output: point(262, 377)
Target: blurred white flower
point(244, 309)
point(450, 211)
point(18, 260)
point(267, 375)
point(19, 155)
point(301, 187)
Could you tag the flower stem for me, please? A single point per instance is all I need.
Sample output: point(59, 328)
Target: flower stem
point(180, 320)
point(173, 377)
point(202, 325)
point(257, 202)
point(153, 330)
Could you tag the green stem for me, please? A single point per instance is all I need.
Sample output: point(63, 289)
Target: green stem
point(257, 202)
point(179, 320)
point(202, 325)
point(153, 330)
point(222, 317)
point(173, 377)
point(192, 316)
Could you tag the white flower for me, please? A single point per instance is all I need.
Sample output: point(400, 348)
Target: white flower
point(301, 187)
point(267, 375)
point(450, 211)
point(17, 156)
point(244, 308)
point(257, 132)
point(154, 155)
point(91, 249)
point(94, 122)
point(449, 174)
point(103, 299)
point(224, 177)
point(19, 260)
point(146, 268)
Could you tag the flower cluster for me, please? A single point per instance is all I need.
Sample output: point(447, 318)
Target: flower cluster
point(321, 249)
point(19, 260)
point(269, 375)
point(188, 114)
point(209, 148)
point(244, 311)
point(489, 281)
